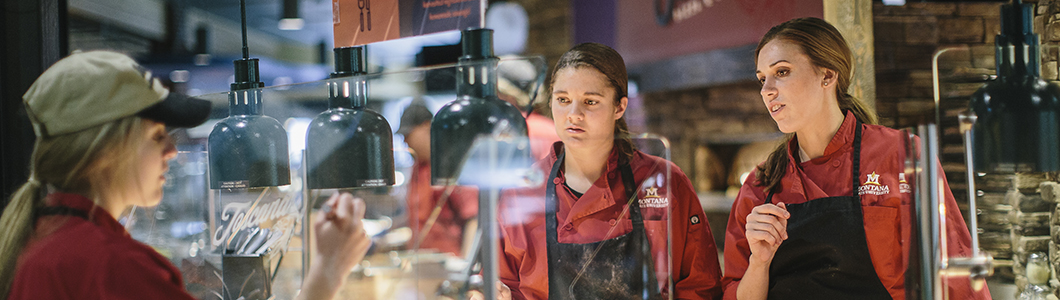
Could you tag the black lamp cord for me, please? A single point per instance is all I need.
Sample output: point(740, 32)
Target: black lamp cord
point(243, 12)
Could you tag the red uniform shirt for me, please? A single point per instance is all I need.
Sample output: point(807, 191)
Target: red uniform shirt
point(885, 198)
point(524, 257)
point(542, 131)
point(68, 257)
point(446, 235)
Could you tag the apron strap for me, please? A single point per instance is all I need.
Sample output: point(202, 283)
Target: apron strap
point(631, 194)
point(551, 224)
point(857, 156)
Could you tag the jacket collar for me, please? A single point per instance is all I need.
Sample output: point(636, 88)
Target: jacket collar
point(601, 189)
point(97, 215)
point(841, 142)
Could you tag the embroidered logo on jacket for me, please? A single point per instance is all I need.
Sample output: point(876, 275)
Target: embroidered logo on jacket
point(652, 199)
point(872, 186)
point(873, 179)
point(651, 192)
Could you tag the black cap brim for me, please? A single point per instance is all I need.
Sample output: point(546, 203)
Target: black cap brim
point(178, 110)
point(414, 115)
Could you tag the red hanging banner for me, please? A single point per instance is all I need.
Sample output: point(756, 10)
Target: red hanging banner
point(359, 22)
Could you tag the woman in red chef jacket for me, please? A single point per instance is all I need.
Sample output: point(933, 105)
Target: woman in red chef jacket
point(102, 146)
point(601, 194)
point(824, 217)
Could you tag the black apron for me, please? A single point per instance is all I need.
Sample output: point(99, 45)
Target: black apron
point(826, 255)
point(618, 271)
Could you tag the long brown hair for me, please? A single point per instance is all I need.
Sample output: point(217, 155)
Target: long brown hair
point(826, 48)
point(610, 63)
point(90, 162)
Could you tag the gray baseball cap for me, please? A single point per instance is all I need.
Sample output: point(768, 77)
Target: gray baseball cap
point(88, 89)
point(414, 115)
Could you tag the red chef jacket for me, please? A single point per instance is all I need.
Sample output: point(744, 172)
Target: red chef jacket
point(885, 199)
point(542, 131)
point(524, 259)
point(68, 257)
point(448, 231)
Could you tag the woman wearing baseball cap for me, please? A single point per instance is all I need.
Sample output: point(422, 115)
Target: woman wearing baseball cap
point(102, 147)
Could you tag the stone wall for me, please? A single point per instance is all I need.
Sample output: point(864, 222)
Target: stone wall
point(907, 36)
point(1047, 26)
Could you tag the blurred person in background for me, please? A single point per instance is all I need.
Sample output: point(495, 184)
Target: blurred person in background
point(440, 220)
point(512, 78)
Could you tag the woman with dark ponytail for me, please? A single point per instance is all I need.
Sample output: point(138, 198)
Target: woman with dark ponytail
point(605, 224)
point(822, 217)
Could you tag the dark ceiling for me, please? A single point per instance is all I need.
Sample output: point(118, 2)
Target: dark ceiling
point(264, 15)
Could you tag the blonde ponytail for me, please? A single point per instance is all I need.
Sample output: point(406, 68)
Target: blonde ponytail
point(16, 224)
point(91, 162)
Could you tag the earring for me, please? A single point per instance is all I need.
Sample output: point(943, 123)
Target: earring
point(825, 83)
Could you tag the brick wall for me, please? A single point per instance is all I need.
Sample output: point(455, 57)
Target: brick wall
point(907, 36)
point(710, 124)
point(550, 27)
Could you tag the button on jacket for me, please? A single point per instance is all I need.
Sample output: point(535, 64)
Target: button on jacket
point(68, 257)
point(524, 260)
point(885, 199)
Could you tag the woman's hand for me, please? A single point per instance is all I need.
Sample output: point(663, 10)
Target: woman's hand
point(340, 243)
point(340, 237)
point(766, 229)
point(503, 293)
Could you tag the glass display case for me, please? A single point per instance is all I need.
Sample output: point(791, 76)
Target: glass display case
point(249, 239)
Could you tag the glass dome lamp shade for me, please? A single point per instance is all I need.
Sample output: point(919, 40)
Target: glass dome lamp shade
point(476, 112)
point(349, 146)
point(248, 149)
point(1018, 114)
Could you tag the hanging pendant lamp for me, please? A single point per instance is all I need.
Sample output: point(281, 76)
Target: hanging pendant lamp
point(247, 149)
point(349, 146)
point(1018, 124)
point(476, 112)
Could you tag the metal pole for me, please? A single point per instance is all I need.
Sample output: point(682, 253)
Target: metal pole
point(967, 119)
point(935, 77)
point(488, 223)
point(928, 214)
point(306, 225)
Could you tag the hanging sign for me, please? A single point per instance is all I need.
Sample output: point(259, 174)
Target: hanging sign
point(359, 22)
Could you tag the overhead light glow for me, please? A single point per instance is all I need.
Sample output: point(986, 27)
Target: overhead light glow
point(292, 24)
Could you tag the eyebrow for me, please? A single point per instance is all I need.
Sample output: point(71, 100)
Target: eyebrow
point(586, 93)
point(773, 64)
